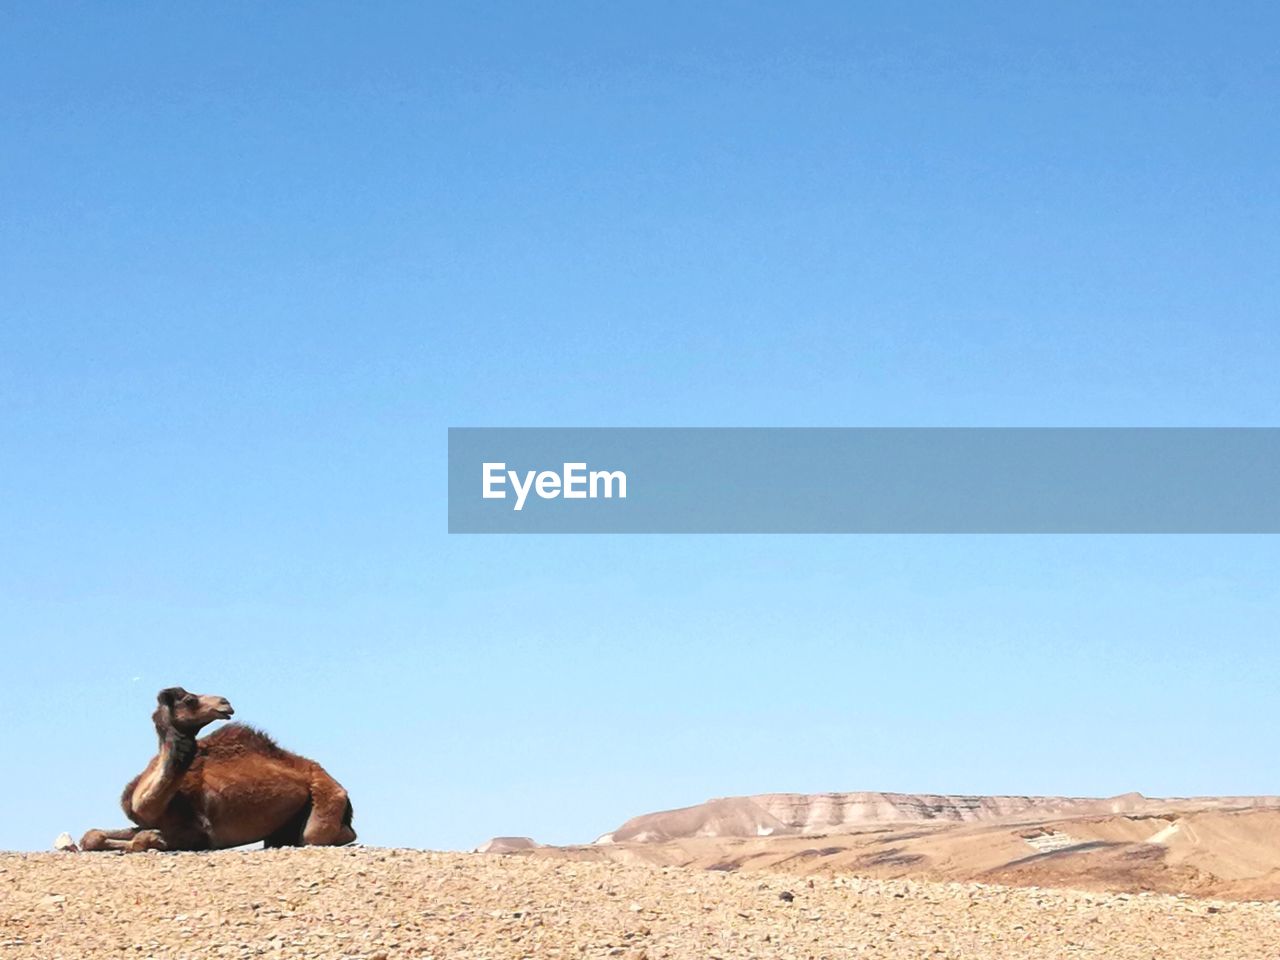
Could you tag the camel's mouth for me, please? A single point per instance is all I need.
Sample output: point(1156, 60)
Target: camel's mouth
point(226, 714)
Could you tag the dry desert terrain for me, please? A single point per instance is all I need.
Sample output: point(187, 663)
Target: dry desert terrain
point(373, 903)
point(1225, 847)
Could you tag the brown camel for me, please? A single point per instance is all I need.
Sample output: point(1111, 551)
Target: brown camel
point(233, 787)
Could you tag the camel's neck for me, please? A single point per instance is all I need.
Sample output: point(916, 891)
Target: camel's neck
point(161, 780)
point(177, 750)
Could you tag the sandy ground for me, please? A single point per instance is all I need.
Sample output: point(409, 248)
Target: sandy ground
point(371, 903)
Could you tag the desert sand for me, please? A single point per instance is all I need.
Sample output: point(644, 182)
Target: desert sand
point(865, 875)
point(371, 903)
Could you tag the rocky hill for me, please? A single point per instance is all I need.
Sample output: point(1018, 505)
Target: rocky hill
point(814, 814)
point(1206, 846)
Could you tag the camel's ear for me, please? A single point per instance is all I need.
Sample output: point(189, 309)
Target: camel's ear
point(169, 696)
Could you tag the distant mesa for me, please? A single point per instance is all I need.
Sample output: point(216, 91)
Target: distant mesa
point(801, 814)
point(508, 845)
point(726, 817)
point(1219, 846)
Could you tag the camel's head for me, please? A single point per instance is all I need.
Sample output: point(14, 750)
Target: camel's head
point(189, 712)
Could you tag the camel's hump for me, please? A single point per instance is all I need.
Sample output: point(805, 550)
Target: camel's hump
point(240, 738)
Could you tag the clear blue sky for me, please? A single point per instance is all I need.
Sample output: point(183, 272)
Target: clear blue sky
point(256, 258)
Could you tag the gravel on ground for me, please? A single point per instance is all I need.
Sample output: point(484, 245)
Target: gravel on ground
point(380, 904)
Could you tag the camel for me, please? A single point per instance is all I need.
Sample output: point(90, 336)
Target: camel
point(233, 787)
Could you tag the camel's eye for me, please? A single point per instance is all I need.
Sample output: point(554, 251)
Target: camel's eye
point(190, 701)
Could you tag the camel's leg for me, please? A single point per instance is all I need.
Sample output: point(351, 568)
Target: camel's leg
point(147, 840)
point(329, 824)
point(108, 839)
point(130, 840)
point(290, 835)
